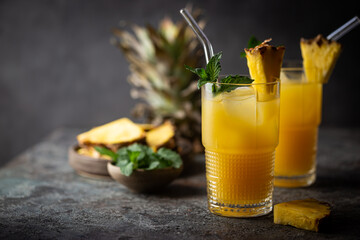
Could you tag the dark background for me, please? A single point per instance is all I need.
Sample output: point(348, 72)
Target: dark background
point(58, 68)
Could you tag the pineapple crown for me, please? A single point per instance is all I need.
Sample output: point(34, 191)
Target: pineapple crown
point(156, 61)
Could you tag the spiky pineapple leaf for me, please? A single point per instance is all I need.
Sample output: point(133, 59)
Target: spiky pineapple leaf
point(158, 76)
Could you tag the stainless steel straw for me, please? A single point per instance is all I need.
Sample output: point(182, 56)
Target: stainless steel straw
point(344, 29)
point(208, 50)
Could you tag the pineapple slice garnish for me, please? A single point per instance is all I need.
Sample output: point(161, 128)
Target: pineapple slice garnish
point(319, 58)
point(305, 214)
point(264, 62)
point(160, 136)
point(121, 131)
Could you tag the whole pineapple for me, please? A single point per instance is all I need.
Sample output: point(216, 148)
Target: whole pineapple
point(157, 58)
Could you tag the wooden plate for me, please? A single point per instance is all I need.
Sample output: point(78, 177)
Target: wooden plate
point(88, 166)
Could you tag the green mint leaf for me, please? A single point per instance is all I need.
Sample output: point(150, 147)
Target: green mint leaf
point(133, 156)
point(136, 147)
point(253, 42)
point(213, 67)
point(127, 169)
point(164, 163)
point(202, 82)
point(122, 162)
point(211, 73)
point(235, 79)
point(170, 156)
point(153, 165)
point(198, 71)
point(107, 152)
point(214, 88)
point(122, 152)
point(138, 156)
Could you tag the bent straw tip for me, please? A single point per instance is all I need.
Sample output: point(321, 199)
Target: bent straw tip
point(183, 10)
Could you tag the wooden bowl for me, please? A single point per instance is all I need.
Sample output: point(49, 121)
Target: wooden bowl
point(145, 180)
point(88, 166)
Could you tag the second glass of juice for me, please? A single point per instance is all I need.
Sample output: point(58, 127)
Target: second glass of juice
point(240, 134)
point(300, 116)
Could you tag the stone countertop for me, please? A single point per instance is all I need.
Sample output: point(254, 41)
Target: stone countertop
point(42, 197)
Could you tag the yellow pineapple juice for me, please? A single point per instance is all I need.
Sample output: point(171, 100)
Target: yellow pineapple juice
point(240, 133)
point(300, 116)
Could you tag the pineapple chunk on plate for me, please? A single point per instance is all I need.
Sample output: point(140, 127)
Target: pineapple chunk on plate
point(161, 136)
point(121, 131)
point(91, 152)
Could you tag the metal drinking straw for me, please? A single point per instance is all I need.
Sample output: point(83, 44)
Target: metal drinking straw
point(344, 29)
point(208, 49)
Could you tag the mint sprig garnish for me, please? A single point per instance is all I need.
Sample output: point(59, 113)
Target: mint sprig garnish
point(231, 80)
point(211, 75)
point(253, 42)
point(138, 156)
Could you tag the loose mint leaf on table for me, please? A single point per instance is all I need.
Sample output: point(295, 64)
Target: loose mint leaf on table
point(236, 79)
point(253, 42)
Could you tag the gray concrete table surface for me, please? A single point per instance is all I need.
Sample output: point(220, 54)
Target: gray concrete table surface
point(41, 197)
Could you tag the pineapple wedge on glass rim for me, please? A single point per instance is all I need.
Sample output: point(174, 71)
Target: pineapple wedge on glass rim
point(319, 58)
point(264, 62)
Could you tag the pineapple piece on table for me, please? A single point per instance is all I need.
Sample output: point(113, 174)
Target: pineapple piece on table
point(319, 58)
point(160, 136)
point(305, 214)
point(264, 62)
point(119, 132)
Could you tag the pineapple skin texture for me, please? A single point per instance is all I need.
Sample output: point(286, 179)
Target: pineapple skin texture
point(305, 214)
point(264, 62)
point(319, 58)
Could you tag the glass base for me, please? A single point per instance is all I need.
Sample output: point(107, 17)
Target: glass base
point(241, 211)
point(295, 181)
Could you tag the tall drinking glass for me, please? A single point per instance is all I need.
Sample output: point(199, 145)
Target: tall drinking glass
point(300, 116)
point(240, 134)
